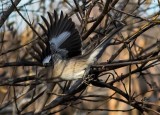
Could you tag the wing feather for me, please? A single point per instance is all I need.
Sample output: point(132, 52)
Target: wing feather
point(61, 32)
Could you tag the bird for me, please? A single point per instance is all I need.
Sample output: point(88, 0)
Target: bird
point(62, 48)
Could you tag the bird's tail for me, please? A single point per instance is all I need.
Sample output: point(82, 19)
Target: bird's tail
point(98, 51)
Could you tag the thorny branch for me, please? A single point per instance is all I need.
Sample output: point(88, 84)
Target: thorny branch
point(125, 74)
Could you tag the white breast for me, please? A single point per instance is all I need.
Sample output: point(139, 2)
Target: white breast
point(70, 69)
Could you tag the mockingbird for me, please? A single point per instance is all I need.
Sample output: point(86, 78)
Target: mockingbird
point(63, 48)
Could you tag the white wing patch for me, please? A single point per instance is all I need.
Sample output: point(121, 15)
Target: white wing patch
point(46, 59)
point(58, 40)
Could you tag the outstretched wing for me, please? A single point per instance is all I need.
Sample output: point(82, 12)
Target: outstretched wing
point(62, 32)
point(39, 51)
point(61, 37)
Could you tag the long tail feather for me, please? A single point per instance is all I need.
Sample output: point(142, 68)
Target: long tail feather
point(98, 51)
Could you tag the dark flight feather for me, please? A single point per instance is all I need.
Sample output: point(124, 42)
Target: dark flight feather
point(61, 32)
